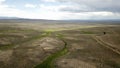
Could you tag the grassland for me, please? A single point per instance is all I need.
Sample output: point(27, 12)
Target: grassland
point(65, 45)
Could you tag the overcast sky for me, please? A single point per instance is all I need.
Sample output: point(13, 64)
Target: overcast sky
point(61, 9)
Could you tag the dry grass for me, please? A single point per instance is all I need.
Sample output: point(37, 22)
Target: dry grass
point(31, 48)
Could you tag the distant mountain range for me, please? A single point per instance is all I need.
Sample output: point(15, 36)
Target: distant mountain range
point(10, 18)
point(26, 20)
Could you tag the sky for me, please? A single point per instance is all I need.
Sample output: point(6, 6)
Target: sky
point(61, 9)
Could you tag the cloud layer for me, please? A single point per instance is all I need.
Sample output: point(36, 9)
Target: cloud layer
point(62, 9)
point(93, 5)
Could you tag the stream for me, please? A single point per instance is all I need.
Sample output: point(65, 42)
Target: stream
point(48, 63)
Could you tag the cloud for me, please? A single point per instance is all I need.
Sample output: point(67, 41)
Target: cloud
point(81, 12)
point(30, 6)
point(53, 8)
point(94, 5)
point(91, 15)
point(10, 11)
point(76, 8)
point(2, 1)
point(43, 12)
point(64, 9)
point(49, 0)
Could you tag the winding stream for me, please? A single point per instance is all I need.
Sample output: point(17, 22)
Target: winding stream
point(48, 63)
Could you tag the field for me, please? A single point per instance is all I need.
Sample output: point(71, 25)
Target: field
point(59, 45)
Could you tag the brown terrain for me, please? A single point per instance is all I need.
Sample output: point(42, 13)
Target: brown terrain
point(89, 45)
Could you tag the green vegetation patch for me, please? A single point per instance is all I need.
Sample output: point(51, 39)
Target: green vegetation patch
point(59, 35)
point(8, 46)
point(112, 64)
point(87, 32)
point(19, 42)
point(48, 63)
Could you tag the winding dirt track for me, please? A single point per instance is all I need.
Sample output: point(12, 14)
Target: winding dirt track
point(107, 45)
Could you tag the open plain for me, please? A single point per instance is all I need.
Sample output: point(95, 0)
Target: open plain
point(59, 45)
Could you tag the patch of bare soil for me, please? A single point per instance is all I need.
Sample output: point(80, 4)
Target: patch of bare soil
point(73, 63)
point(5, 55)
point(30, 54)
point(86, 52)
